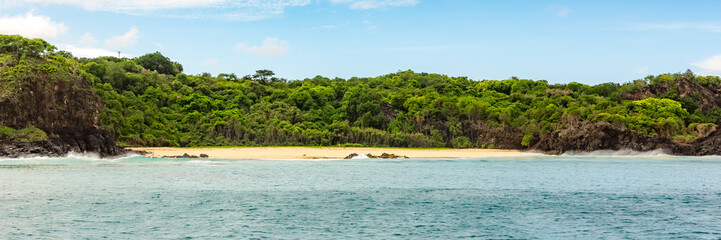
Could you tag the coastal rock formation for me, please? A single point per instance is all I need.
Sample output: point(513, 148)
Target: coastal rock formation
point(58, 145)
point(709, 145)
point(592, 136)
point(382, 156)
point(186, 155)
point(50, 94)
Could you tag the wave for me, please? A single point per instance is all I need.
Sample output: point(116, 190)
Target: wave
point(617, 153)
point(360, 156)
point(73, 156)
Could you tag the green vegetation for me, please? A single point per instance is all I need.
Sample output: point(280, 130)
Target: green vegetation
point(28, 134)
point(150, 102)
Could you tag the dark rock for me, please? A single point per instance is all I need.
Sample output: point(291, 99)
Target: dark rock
point(186, 155)
point(385, 156)
point(592, 136)
point(709, 145)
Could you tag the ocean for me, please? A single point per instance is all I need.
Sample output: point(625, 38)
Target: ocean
point(532, 197)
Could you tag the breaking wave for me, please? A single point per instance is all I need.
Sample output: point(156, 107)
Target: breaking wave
point(617, 153)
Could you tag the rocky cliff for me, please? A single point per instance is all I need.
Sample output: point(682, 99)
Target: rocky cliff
point(593, 136)
point(47, 90)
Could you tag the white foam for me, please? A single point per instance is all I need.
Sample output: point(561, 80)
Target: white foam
point(617, 153)
point(360, 156)
point(88, 156)
point(205, 162)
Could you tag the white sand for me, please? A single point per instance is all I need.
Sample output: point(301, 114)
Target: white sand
point(324, 152)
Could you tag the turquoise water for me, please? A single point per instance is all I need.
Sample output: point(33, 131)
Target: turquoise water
point(539, 197)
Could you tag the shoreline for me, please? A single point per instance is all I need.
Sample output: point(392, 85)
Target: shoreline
point(321, 152)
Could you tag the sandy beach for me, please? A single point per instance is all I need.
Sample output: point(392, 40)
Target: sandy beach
point(323, 152)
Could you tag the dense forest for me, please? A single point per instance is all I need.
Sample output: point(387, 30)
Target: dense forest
point(149, 101)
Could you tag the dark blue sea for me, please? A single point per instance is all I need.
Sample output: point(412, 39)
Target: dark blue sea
point(533, 197)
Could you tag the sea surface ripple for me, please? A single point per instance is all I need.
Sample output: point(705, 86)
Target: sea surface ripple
point(536, 197)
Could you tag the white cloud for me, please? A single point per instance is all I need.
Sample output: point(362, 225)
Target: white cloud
point(89, 52)
point(210, 62)
point(124, 41)
point(270, 46)
point(374, 4)
point(129, 5)
point(707, 27)
point(712, 64)
point(87, 39)
point(32, 26)
point(243, 10)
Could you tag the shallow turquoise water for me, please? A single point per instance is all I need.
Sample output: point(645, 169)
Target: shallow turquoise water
point(540, 197)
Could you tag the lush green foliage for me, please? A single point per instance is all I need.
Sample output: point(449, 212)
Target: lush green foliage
point(404, 109)
point(20, 46)
point(148, 101)
point(28, 134)
point(158, 62)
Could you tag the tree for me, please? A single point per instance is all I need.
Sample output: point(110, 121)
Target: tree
point(157, 62)
point(21, 47)
point(263, 75)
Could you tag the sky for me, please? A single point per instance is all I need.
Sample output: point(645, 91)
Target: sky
point(559, 41)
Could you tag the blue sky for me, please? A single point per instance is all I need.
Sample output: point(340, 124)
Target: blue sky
point(559, 41)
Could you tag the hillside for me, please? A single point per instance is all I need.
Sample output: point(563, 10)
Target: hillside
point(148, 101)
point(47, 106)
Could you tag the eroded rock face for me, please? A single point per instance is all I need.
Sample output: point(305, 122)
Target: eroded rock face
point(709, 145)
point(592, 136)
point(60, 103)
point(99, 142)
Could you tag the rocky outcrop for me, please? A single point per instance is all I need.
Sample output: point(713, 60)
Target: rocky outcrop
point(82, 142)
point(709, 145)
point(186, 155)
point(705, 97)
point(592, 136)
point(382, 156)
point(56, 99)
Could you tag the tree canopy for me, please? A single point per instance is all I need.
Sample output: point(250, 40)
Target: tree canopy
point(150, 102)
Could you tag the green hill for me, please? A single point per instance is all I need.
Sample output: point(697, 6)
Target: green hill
point(148, 101)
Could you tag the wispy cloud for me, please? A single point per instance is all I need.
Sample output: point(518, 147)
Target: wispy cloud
point(87, 39)
point(32, 26)
point(242, 10)
point(123, 41)
point(707, 27)
point(712, 64)
point(269, 47)
point(89, 52)
point(375, 4)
